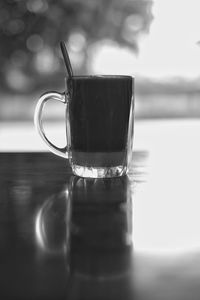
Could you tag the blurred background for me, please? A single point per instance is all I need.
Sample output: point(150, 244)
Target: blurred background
point(157, 41)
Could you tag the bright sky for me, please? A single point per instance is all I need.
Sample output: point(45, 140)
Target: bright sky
point(171, 48)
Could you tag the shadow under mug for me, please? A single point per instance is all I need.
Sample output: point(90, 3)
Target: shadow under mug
point(99, 124)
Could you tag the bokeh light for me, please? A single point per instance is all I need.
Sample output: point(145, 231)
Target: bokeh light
point(77, 41)
point(34, 43)
point(14, 26)
point(133, 23)
point(37, 6)
point(17, 80)
point(46, 61)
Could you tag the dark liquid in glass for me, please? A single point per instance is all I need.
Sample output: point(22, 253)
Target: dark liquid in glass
point(99, 109)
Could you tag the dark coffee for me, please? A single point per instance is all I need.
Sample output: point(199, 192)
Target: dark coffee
point(99, 109)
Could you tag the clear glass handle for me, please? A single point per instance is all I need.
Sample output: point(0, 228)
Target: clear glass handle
point(39, 125)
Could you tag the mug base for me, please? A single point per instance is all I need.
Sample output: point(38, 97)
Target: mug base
point(100, 172)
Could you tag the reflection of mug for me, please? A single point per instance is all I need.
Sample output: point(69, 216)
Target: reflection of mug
point(90, 223)
point(99, 124)
point(101, 236)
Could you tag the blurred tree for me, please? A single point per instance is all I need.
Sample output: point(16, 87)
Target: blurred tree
point(30, 31)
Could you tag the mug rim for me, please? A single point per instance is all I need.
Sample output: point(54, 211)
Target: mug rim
point(106, 76)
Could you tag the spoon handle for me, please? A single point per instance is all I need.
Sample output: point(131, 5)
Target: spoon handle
point(66, 59)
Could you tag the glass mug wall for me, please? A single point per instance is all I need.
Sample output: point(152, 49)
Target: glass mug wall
point(99, 124)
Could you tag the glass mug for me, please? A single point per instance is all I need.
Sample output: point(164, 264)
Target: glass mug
point(99, 124)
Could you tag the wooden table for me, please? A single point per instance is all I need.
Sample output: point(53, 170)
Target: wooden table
point(136, 237)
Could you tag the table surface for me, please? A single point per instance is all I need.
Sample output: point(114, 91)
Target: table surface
point(135, 237)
